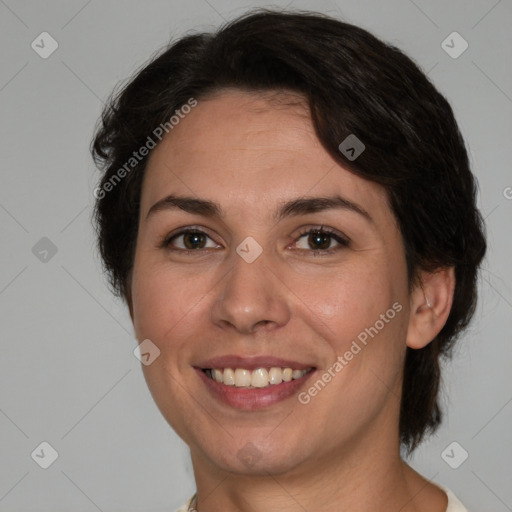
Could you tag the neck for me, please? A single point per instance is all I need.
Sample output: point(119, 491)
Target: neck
point(355, 480)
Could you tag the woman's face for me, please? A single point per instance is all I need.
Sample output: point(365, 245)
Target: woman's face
point(256, 285)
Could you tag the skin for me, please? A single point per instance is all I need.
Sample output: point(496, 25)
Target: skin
point(249, 153)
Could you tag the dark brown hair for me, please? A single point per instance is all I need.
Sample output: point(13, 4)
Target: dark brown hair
point(354, 84)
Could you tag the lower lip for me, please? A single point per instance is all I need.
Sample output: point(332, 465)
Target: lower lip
point(255, 398)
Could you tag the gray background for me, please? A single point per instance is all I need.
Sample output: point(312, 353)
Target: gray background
point(67, 372)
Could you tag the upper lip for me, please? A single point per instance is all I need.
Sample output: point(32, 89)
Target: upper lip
point(251, 363)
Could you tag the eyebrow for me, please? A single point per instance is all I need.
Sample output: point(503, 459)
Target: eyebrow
point(295, 207)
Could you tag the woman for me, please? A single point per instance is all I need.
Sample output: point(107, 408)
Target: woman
point(287, 208)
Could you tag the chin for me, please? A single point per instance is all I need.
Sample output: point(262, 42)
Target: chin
point(246, 456)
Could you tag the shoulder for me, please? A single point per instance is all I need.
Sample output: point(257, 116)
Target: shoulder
point(454, 505)
point(186, 506)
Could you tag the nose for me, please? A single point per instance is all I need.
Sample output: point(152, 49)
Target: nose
point(251, 298)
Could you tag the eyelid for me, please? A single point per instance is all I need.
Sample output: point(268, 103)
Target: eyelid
point(324, 229)
point(165, 243)
point(341, 239)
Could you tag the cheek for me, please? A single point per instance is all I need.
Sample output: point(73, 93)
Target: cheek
point(348, 300)
point(166, 307)
point(164, 302)
point(359, 312)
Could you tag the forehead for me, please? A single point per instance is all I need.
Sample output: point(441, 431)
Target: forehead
point(254, 148)
point(234, 124)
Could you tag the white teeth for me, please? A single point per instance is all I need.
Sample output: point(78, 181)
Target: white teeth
point(275, 376)
point(297, 374)
point(229, 377)
point(259, 378)
point(242, 378)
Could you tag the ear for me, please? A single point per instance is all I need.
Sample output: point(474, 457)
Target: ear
point(430, 304)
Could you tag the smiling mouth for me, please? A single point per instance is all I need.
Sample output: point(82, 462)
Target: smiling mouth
point(254, 379)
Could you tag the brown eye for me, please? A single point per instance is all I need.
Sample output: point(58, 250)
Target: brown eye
point(319, 240)
point(194, 240)
point(190, 240)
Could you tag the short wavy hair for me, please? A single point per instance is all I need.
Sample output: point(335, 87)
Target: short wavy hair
point(354, 84)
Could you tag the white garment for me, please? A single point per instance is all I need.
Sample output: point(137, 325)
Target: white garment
point(454, 505)
point(184, 508)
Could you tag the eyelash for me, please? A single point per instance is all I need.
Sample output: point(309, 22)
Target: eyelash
point(342, 241)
